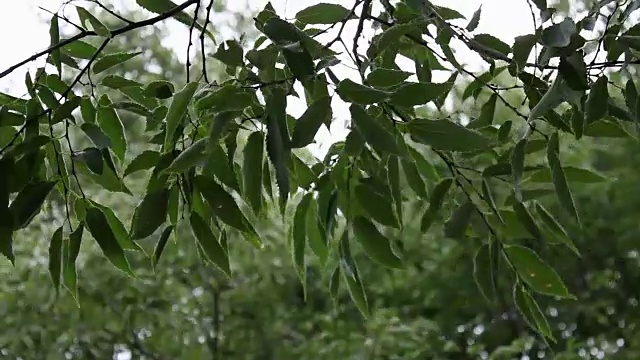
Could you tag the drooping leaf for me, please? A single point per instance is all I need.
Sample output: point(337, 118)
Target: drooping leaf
point(414, 94)
point(210, 245)
point(252, 170)
point(435, 202)
point(323, 13)
point(598, 95)
point(528, 307)
point(161, 244)
point(483, 272)
point(54, 35)
point(108, 61)
point(456, 226)
point(92, 157)
point(559, 35)
point(225, 207)
point(372, 132)
point(535, 272)
point(96, 24)
point(177, 111)
point(415, 181)
point(99, 228)
point(447, 135)
point(384, 78)
point(382, 212)
point(111, 125)
point(277, 143)
point(559, 179)
point(309, 123)
point(163, 6)
point(71, 250)
point(160, 89)
point(190, 157)
point(117, 227)
point(554, 226)
point(150, 214)
point(299, 239)
point(353, 92)
point(374, 243)
point(524, 217)
point(55, 258)
point(28, 202)
point(145, 160)
point(475, 20)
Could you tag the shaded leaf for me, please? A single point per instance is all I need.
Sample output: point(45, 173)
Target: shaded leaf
point(535, 272)
point(28, 202)
point(55, 258)
point(323, 13)
point(150, 214)
point(161, 244)
point(210, 245)
point(108, 61)
point(99, 228)
point(145, 160)
point(252, 170)
point(372, 132)
point(356, 93)
point(376, 245)
point(447, 135)
point(177, 111)
point(309, 123)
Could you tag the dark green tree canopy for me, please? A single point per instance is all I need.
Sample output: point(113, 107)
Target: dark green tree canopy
point(221, 153)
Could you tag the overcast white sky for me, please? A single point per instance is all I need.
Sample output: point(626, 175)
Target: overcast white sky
point(23, 32)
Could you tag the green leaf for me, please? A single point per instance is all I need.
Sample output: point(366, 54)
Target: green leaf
point(309, 123)
point(475, 19)
point(483, 272)
point(487, 112)
point(111, 125)
point(528, 307)
point(71, 250)
point(161, 244)
point(55, 257)
point(150, 214)
point(117, 227)
point(324, 13)
point(413, 94)
point(488, 198)
point(435, 202)
point(252, 170)
point(521, 49)
point(230, 53)
point(598, 95)
point(382, 212)
point(393, 179)
point(559, 35)
point(384, 78)
point(54, 35)
point(108, 61)
point(99, 228)
point(118, 82)
point(525, 218)
point(225, 207)
point(212, 248)
point(554, 96)
point(299, 239)
point(164, 6)
point(376, 245)
point(456, 226)
point(160, 89)
point(372, 132)
point(177, 111)
point(535, 272)
point(606, 129)
point(351, 276)
point(414, 179)
point(97, 26)
point(489, 45)
point(79, 49)
point(28, 202)
point(559, 180)
point(554, 226)
point(353, 92)
point(92, 157)
point(145, 160)
point(447, 135)
point(189, 158)
point(277, 143)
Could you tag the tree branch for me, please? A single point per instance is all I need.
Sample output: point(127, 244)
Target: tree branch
point(87, 33)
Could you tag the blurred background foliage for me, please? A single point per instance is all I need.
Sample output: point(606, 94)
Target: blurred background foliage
point(184, 309)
